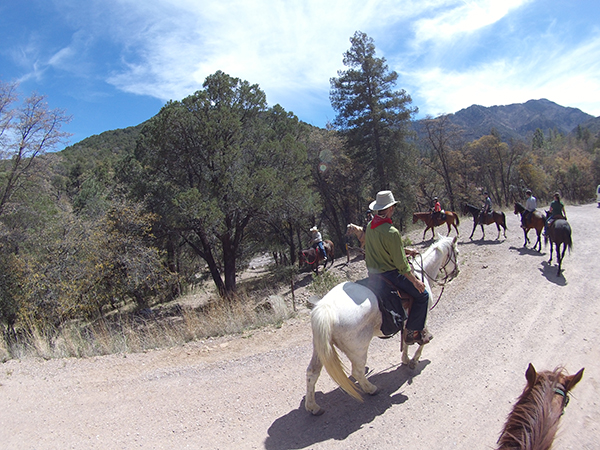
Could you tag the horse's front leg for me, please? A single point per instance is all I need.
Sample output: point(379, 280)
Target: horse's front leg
point(312, 375)
point(411, 363)
point(473, 232)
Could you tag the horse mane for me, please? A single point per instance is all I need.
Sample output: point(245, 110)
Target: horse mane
point(437, 246)
point(533, 422)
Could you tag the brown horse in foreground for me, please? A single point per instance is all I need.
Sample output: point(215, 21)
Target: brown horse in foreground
point(533, 422)
point(536, 221)
point(314, 257)
point(451, 218)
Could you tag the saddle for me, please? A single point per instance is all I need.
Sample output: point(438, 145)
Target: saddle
point(394, 305)
point(551, 220)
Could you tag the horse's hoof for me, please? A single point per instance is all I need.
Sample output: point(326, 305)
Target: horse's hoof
point(412, 365)
point(375, 392)
point(318, 412)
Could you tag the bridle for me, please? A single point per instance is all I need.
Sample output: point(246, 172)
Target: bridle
point(560, 390)
point(451, 257)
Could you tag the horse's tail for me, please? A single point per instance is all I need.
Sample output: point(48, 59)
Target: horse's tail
point(322, 319)
point(457, 220)
point(568, 239)
point(504, 220)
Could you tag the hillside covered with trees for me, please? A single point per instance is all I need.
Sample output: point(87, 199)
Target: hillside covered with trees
point(132, 218)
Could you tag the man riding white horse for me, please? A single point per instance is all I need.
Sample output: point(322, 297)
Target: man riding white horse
point(386, 262)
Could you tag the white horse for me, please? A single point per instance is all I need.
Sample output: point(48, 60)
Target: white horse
point(349, 316)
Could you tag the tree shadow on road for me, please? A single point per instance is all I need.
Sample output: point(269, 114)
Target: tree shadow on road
point(299, 429)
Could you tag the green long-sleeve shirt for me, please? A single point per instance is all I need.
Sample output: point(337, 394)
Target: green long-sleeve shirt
point(384, 250)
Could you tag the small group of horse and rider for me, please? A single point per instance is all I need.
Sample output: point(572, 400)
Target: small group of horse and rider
point(321, 251)
point(554, 225)
point(395, 298)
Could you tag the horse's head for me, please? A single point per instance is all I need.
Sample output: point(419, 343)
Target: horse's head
point(536, 413)
point(301, 257)
point(452, 265)
point(518, 208)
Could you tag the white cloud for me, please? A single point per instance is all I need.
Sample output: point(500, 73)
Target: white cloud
point(462, 17)
point(292, 48)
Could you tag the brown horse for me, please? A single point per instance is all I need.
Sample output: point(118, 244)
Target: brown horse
point(314, 257)
point(533, 422)
point(499, 218)
point(536, 221)
point(451, 218)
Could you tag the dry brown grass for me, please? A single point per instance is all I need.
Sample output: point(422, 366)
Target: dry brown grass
point(198, 315)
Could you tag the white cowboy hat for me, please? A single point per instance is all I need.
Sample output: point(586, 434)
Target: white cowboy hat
point(314, 228)
point(384, 200)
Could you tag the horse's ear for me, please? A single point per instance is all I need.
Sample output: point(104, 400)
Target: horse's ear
point(572, 380)
point(531, 376)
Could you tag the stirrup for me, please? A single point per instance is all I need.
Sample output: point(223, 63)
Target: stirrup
point(418, 337)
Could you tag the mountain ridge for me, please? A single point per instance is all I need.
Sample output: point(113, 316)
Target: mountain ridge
point(520, 120)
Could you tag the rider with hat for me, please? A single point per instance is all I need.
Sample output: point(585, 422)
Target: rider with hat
point(436, 211)
point(317, 241)
point(385, 258)
point(530, 206)
point(486, 208)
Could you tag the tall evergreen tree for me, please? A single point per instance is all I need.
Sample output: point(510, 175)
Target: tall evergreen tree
point(372, 116)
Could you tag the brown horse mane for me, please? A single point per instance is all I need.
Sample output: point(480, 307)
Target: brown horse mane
point(533, 422)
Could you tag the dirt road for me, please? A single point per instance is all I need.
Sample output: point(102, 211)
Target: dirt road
point(507, 308)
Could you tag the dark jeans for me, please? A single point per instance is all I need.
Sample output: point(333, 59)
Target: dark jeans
point(418, 312)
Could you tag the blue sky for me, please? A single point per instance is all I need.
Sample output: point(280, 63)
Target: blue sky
point(113, 63)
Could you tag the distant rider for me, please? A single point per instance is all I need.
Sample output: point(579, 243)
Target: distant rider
point(530, 206)
point(557, 211)
point(436, 211)
point(486, 208)
point(317, 241)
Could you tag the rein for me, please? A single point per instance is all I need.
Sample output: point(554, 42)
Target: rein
point(306, 259)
